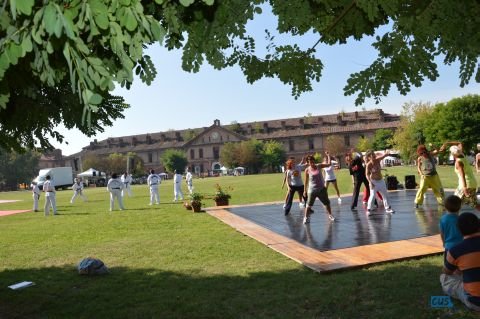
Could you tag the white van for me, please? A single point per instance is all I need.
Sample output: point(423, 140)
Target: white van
point(62, 177)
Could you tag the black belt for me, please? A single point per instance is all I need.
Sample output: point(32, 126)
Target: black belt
point(125, 182)
point(116, 188)
point(50, 191)
point(153, 184)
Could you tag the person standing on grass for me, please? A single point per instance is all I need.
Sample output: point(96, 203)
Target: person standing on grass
point(177, 186)
point(77, 188)
point(293, 179)
point(153, 180)
point(115, 186)
point(377, 184)
point(50, 201)
point(315, 187)
point(461, 271)
point(467, 183)
point(189, 180)
point(330, 178)
point(127, 182)
point(477, 159)
point(36, 195)
point(428, 176)
point(449, 231)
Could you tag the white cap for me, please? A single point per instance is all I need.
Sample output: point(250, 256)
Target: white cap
point(455, 150)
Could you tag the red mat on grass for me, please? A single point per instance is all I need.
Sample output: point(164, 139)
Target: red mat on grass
point(11, 212)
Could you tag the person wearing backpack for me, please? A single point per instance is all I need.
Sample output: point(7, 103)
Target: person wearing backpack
point(153, 181)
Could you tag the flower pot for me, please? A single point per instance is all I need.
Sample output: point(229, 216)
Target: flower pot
point(221, 202)
point(196, 206)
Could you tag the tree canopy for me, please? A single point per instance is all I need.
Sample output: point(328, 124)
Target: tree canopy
point(86, 47)
point(432, 125)
point(17, 168)
point(174, 160)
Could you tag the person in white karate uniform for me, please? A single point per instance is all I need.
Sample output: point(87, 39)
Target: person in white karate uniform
point(115, 186)
point(127, 182)
point(153, 180)
point(177, 186)
point(189, 180)
point(36, 195)
point(50, 200)
point(78, 190)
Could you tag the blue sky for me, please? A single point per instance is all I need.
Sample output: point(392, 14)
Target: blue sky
point(181, 100)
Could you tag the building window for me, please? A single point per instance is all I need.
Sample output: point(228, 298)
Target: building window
point(216, 152)
point(192, 154)
point(150, 157)
point(347, 140)
point(311, 146)
point(291, 145)
point(200, 153)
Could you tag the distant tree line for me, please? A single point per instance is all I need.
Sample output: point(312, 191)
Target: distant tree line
point(254, 155)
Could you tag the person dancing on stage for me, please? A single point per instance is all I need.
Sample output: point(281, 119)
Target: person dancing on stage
point(428, 176)
point(330, 178)
point(467, 184)
point(357, 170)
point(315, 187)
point(293, 179)
point(375, 178)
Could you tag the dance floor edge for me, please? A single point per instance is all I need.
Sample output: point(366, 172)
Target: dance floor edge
point(318, 257)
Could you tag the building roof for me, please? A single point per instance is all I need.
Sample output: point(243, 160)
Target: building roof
point(359, 121)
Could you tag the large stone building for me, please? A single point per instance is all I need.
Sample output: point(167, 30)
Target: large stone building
point(203, 145)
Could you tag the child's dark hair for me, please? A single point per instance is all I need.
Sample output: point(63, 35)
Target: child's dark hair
point(453, 203)
point(468, 223)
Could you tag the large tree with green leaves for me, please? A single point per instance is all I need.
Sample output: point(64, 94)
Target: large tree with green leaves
point(456, 120)
point(17, 168)
point(86, 47)
point(382, 139)
point(174, 160)
point(273, 155)
point(229, 154)
point(432, 125)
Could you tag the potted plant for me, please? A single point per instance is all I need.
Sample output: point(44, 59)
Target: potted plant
point(196, 202)
point(221, 196)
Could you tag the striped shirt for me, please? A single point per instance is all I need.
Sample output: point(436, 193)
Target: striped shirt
point(466, 257)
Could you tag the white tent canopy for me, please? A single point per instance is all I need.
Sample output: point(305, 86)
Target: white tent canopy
point(90, 173)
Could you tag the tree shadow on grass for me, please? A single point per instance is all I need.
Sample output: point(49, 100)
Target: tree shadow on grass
point(395, 291)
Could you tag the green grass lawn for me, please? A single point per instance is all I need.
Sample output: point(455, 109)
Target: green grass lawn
point(167, 262)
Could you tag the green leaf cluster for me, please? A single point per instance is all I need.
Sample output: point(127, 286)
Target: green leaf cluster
point(93, 45)
point(253, 154)
point(174, 160)
point(86, 45)
point(434, 124)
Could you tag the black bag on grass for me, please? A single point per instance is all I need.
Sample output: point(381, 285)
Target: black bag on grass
point(92, 266)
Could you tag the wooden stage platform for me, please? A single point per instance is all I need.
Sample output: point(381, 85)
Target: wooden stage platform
point(352, 240)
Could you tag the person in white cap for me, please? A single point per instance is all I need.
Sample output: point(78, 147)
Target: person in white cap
point(177, 186)
point(77, 188)
point(49, 189)
point(115, 186)
point(153, 180)
point(467, 183)
point(127, 182)
point(189, 180)
point(36, 195)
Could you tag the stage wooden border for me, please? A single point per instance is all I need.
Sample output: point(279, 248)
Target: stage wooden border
point(333, 260)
